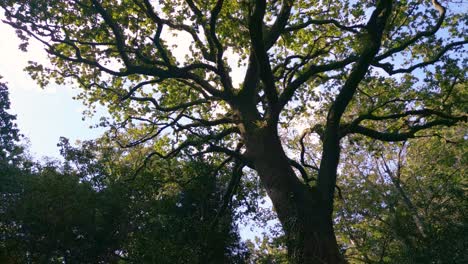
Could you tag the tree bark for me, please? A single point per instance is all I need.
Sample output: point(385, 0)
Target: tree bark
point(305, 217)
point(306, 213)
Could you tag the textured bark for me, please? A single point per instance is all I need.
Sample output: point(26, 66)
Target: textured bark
point(304, 212)
point(306, 220)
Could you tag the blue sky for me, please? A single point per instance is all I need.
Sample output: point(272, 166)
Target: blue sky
point(43, 115)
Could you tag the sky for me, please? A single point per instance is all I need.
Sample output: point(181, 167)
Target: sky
point(43, 115)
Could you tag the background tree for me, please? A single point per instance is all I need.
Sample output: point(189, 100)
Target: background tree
point(56, 219)
point(269, 250)
point(404, 203)
point(9, 134)
point(9, 137)
point(90, 210)
point(171, 207)
point(383, 69)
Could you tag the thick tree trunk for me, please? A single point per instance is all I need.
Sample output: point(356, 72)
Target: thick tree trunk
point(304, 212)
point(305, 217)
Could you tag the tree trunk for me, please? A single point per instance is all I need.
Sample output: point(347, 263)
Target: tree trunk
point(305, 217)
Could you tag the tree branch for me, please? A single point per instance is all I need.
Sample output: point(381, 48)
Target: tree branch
point(402, 136)
point(418, 36)
point(256, 36)
point(289, 91)
point(389, 67)
point(323, 22)
point(277, 28)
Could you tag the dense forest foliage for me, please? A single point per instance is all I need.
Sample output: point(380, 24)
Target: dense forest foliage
point(91, 208)
point(349, 117)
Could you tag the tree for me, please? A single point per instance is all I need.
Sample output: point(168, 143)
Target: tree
point(80, 213)
point(56, 219)
point(383, 69)
point(9, 134)
point(168, 212)
point(414, 202)
point(270, 250)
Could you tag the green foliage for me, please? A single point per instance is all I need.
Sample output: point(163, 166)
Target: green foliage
point(388, 71)
point(268, 251)
point(83, 212)
point(9, 134)
point(406, 202)
point(54, 218)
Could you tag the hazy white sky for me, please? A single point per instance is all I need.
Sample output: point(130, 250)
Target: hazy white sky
point(43, 115)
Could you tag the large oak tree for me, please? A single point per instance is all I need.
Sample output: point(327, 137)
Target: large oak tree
point(384, 69)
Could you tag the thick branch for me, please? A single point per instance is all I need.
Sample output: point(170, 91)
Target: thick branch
point(418, 36)
point(402, 136)
point(389, 67)
point(375, 28)
point(204, 123)
point(331, 148)
point(118, 33)
point(256, 36)
point(188, 143)
point(421, 113)
point(277, 28)
point(323, 22)
point(223, 72)
point(302, 171)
